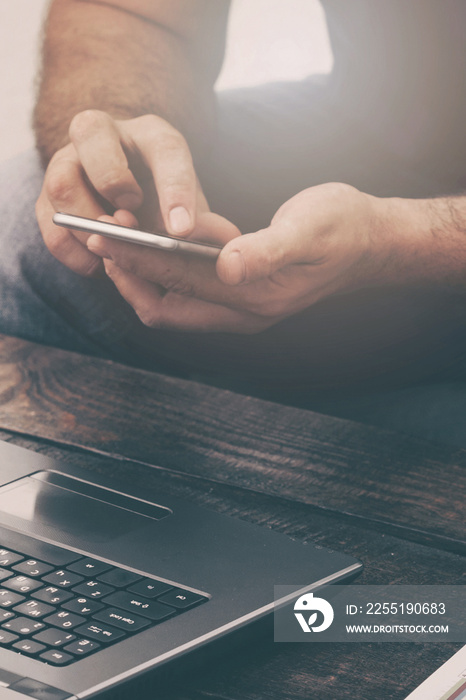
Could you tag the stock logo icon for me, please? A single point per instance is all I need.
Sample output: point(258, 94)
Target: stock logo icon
point(312, 606)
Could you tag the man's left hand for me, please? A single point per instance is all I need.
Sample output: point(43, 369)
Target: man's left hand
point(319, 243)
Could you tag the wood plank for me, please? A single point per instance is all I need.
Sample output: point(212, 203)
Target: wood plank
point(297, 671)
point(332, 464)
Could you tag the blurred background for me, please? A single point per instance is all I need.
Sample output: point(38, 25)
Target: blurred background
point(267, 40)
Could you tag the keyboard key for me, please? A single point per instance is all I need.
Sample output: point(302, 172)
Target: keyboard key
point(123, 620)
point(181, 599)
point(150, 588)
point(7, 637)
point(55, 657)
point(64, 619)
point(100, 632)
point(54, 637)
point(32, 567)
point(8, 598)
point(151, 609)
point(83, 606)
point(89, 567)
point(34, 608)
point(8, 558)
point(52, 595)
point(5, 615)
point(4, 573)
point(23, 625)
point(120, 578)
point(93, 589)
point(32, 589)
point(22, 584)
point(28, 646)
point(82, 647)
point(63, 579)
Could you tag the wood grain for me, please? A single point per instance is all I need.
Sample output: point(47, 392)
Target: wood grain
point(294, 671)
point(399, 484)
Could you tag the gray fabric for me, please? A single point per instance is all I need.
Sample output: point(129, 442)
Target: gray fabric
point(41, 300)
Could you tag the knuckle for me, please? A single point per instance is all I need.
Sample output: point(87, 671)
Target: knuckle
point(128, 262)
point(338, 187)
point(157, 317)
point(147, 317)
point(87, 122)
point(169, 143)
point(180, 286)
point(90, 267)
point(60, 184)
point(174, 141)
point(176, 279)
point(340, 191)
point(57, 241)
point(110, 180)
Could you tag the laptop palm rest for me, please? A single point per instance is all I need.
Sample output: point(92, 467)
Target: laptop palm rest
point(77, 507)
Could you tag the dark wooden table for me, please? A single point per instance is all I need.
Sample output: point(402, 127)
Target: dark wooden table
point(396, 503)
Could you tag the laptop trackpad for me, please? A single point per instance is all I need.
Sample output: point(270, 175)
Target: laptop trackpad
point(77, 507)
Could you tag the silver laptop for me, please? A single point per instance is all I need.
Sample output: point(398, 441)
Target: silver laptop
point(98, 587)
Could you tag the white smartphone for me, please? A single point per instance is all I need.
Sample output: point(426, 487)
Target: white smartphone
point(162, 241)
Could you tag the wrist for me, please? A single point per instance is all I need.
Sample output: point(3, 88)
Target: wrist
point(397, 237)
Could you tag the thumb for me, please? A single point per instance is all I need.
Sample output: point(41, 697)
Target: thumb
point(258, 255)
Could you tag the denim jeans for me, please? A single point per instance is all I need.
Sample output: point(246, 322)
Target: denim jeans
point(391, 357)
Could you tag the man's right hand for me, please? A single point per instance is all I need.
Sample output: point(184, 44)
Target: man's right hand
point(142, 165)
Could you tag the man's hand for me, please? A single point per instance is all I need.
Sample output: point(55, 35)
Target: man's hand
point(125, 59)
point(140, 164)
point(319, 243)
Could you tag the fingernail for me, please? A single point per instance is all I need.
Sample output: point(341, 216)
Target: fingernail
point(236, 268)
point(179, 220)
point(129, 200)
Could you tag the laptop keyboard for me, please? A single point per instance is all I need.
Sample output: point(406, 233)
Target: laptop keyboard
point(58, 606)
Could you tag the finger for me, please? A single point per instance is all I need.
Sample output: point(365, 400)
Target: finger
point(62, 244)
point(210, 228)
point(256, 256)
point(167, 154)
point(67, 189)
point(189, 276)
point(181, 273)
point(215, 229)
point(124, 218)
point(98, 144)
point(171, 311)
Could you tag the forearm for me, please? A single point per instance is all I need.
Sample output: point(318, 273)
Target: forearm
point(99, 56)
point(419, 241)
